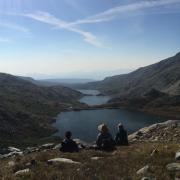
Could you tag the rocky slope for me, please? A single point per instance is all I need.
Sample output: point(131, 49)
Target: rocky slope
point(168, 131)
point(163, 76)
point(154, 102)
point(26, 110)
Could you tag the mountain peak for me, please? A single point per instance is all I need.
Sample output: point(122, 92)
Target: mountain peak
point(178, 54)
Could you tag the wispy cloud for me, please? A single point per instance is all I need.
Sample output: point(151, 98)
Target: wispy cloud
point(60, 24)
point(115, 12)
point(4, 40)
point(14, 27)
point(108, 15)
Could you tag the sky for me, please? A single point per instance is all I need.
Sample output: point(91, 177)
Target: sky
point(86, 39)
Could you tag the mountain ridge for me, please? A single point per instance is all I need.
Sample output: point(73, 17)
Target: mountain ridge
point(26, 109)
point(67, 82)
point(163, 76)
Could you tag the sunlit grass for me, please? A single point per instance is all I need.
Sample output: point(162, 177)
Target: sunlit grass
point(121, 164)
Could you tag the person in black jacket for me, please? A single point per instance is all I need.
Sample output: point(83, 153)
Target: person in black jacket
point(121, 138)
point(68, 145)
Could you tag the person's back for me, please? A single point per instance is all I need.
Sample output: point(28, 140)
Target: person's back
point(104, 139)
point(121, 137)
point(68, 145)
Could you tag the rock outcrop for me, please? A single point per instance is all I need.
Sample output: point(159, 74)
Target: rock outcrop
point(166, 132)
point(177, 157)
point(22, 172)
point(62, 160)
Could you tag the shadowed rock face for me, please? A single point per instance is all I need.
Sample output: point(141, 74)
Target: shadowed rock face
point(26, 110)
point(163, 76)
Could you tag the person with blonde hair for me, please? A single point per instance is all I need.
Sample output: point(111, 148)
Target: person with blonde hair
point(104, 139)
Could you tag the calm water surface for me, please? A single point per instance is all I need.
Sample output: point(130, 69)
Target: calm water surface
point(83, 124)
point(92, 97)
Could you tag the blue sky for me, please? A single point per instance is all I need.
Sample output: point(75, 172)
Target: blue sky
point(81, 37)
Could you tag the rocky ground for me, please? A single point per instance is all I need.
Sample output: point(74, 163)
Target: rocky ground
point(153, 153)
point(167, 132)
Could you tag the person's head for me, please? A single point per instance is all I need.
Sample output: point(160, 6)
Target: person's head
point(68, 134)
point(120, 126)
point(103, 128)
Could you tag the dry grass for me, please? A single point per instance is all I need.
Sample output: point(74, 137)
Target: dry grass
point(118, 165)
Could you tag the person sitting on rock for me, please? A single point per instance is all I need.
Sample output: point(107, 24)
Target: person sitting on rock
point(68, 145)
point(104, 140)
point(121, 138)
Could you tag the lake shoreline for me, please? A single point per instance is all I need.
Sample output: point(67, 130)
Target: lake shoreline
point(83, 122)
point(60, 124)
point(166, 113)
point(162, 114)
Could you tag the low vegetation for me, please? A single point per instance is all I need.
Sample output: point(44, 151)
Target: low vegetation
point(120, 164)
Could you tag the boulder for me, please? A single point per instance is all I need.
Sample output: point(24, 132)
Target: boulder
point(11, 164)
point(148, 178)
point(173, 167)
point(81, 144)
point(47, 146)
point(177, 156)
point(15, 153)
point(62, 160)
point(96, 158)
point(7, 151)
point(13, 149)
point(22, 172)
point(143, 170)
point(57, 146)
point(29, 150)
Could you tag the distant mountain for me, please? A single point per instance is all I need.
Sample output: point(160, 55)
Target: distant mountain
point(26, 78)
point(81, 75)
point(163, 76)
point(65, 82)
point(26, 109)
point(56, 82)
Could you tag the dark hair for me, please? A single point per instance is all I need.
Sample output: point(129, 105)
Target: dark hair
point(68, 134)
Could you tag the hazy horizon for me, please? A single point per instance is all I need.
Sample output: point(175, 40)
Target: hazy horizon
point(89, 39)
point(93, 75)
